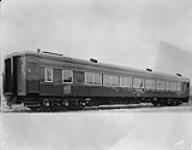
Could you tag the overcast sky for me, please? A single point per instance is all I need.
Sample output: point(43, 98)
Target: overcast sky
point(123, 32)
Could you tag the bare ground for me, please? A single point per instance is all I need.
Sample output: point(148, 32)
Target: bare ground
point(113, 129)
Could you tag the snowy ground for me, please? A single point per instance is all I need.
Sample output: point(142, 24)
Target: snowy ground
point(111, 129)
point(96, 131)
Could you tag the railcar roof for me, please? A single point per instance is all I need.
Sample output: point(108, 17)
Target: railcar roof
point(102, 65)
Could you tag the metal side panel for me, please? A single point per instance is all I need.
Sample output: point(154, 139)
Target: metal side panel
point(21, 76)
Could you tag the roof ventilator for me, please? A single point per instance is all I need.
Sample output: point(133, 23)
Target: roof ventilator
point(93, 60)
point(178, 74)
point(148, 69)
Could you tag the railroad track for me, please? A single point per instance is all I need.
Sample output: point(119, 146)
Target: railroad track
point(100, 107)
point(112, 107)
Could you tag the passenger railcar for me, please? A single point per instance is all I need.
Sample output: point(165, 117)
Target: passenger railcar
point(43, 80)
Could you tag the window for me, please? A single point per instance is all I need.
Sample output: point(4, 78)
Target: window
point(138, 83)
point(173, 86)
point(48, 75)
point(67, 76)
point(111, 81)
point(150, 84)
point(179, 86)
point(160, 85)
point(78, 77)
point(114, 81)
point(98, 79)
point(88, 78)
point(167, 85)
point(126, 82)
point(93, 79)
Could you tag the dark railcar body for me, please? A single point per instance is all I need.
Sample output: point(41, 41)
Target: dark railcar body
point(24, 79)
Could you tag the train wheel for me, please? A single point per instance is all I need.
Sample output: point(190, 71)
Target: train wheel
point(155, 104)
point(163, 102)
point(81, 104)
point(178, 102)
point(174, 102)
point(65, 103)
point(169, 102)
point(33, 109)
point(46, 105)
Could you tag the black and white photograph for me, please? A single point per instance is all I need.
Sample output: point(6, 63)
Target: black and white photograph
point(96, 74)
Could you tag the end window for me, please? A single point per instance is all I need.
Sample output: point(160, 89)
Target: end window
point(48, 75)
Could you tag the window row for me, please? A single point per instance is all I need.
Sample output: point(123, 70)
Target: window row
point(95, 79)
point(67, 75)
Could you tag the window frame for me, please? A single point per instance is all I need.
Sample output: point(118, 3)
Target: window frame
point(173, 86)
point(46, 74)
point(150, 82)
point(111, 79)
point(135, 79)
point(93, 79)
point(63, 76)
point(167, 85)
point(75, 77)
point(179, 86)
point(100, 77)
point(160, 82)
point(127, 78)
